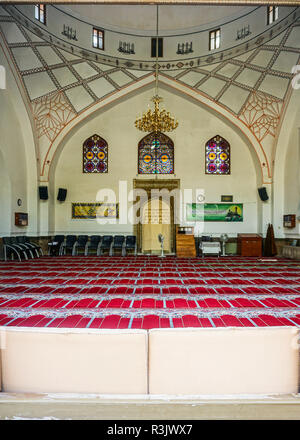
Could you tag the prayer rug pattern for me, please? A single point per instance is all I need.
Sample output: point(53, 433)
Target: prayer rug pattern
point(149, 292)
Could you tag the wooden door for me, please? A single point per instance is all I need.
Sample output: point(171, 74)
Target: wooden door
point(156, 220)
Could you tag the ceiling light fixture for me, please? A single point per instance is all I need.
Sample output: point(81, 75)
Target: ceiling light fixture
point(157, 120)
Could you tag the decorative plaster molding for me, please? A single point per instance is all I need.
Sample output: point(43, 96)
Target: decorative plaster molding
point(261, 114)
point(51, 114)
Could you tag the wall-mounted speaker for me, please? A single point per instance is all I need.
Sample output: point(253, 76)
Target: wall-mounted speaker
point(43, 192)
point(263, 194)
point(62, 194)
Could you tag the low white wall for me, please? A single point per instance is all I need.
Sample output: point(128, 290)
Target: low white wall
point(223, 361)
point(291, 252)
point(74, 361)
point(189, 361)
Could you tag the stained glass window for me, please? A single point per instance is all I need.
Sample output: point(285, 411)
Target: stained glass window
point(156, 154)
point(217, 152)
point(95, 155)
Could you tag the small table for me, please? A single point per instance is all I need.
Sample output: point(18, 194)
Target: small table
point(210, 247)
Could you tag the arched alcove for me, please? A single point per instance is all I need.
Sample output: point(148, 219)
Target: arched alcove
point(157, 220)
point(115, 122)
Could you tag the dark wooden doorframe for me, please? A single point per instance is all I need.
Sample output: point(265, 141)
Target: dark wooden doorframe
point(159, 184)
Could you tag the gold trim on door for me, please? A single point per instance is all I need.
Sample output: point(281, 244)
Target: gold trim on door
point(158, 184)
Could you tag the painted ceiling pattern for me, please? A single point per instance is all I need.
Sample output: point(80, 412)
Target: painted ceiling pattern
point(51, 114)
point(262, 114)
point(61, 85)
point(50, 35)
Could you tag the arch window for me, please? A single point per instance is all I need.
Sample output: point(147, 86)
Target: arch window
point(40, 12)
point(156, 154)
point(98, 38)
point(217, 155)
point(214, 39)
point(272, 14)
point(95, 155)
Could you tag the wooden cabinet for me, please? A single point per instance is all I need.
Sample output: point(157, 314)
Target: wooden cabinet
point(249, 245)
point(185, 242)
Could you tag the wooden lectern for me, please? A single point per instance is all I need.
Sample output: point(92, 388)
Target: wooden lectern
point(185, 241)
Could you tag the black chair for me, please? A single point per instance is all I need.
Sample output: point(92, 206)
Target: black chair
point(23, 249)
point(11, 250)
point(81, 244)
point(118, 243)
point(33, 246)
point(206, 238)
point(69, 245)
point(106, 243)
point(94, 244)
point(130, 244)
point(21, 240)
point(54, 246)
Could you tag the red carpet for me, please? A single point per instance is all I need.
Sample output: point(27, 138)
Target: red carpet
point(149, 292)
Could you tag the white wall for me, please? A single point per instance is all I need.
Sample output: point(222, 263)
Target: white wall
point(13, 178)
point(116, 125)
point(5, 198)
point(292, 183)
point(17, 156)
point(286, 171)
point(292, 178)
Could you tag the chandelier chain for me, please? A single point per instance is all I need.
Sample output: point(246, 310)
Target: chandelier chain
point(157, 120)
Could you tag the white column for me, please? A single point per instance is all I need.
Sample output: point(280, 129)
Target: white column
point(266, 210)
point(44, 213)
point(297, 188)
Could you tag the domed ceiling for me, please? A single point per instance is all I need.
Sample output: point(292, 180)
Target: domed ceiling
point(143, 17)
point(60, 84)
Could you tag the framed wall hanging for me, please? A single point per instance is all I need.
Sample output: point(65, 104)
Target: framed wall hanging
point(227, 199)
point(214, 212)
point(95, 210)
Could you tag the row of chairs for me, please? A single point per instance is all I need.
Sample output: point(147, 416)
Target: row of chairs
point(61, 245)
point(20, 247)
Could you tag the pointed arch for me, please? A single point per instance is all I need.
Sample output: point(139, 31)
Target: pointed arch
point(156, 154)
point(260, 158)
point(217, 156)
point(95, 155)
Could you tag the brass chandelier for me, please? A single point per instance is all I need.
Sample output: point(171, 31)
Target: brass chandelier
point(157, 120)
